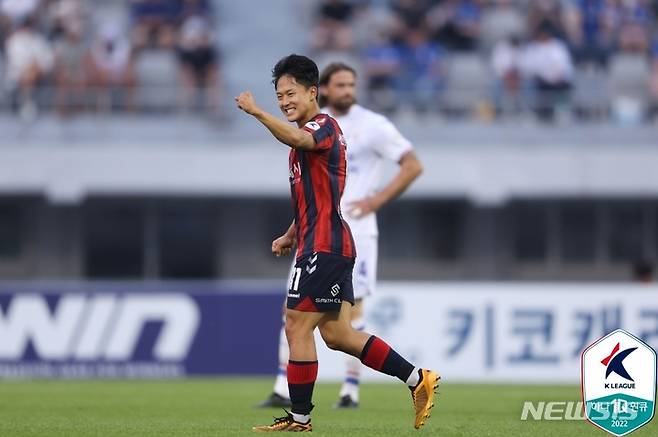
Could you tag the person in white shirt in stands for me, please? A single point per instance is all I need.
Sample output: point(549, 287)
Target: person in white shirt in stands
point(29, 60)
point(371, 141)
point(110, 66)
point(547, 63)
point(506, 68)
point(16, 11)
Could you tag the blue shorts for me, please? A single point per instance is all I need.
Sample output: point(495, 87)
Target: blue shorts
point(320, 283)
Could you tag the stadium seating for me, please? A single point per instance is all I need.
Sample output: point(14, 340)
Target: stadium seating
point(244, 55)
point(467, 84)
point(157, 78)
point(3, 94)
point(498, 24)
point(629, 75)
point(591, 93)
point(629, 78)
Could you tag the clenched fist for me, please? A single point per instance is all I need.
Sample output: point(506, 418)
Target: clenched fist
point(283, 245)
point(247, 103)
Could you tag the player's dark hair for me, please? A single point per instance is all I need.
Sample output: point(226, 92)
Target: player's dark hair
point(303, 69)
point(327, 74)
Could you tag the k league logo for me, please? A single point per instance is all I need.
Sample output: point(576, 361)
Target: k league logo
point(615, 362)
point(619, 382)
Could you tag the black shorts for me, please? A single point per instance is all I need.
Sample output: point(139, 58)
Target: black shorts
point(320, 283)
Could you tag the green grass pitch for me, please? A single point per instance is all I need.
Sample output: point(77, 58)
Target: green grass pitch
point(223, 407)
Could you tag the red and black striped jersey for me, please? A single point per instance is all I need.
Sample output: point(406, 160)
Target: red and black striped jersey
point(317, 181)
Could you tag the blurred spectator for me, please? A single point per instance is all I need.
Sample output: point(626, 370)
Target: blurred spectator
point(455, 24)
point(410, 13)
point(70, 78)
point(110, 67)
point(382, 66)
point(422, 74)
point(154, 22)
point(541, 12)
point(198, 60)
point(332, 31)
point(634, 17)
point(591, 26)
point(653, 81)
point(506, 61)
point(369, 22)
point(500, 21)
point(13, 12)
point(16, 11)
point(64, 15)
point(29, 61)
point(190, 8)
point(547, 64)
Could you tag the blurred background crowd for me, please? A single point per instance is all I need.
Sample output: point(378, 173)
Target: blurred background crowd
point(482, 58)
point(500, 56)
point(77, 55)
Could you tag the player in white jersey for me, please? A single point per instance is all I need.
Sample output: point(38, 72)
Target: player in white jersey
point(371, 141)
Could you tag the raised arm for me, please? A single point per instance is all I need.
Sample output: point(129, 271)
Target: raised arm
point(282, 131)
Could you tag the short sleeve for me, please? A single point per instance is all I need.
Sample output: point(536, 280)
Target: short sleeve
point(323, 132)
point(390, 143)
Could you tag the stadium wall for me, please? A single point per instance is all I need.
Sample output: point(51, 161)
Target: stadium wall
point(486, 174)
point(472, 332)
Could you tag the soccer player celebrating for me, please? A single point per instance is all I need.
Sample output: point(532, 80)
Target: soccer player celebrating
point(320, 293)
point(372, 139)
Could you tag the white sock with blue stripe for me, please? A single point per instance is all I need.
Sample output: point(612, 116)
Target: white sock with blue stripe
point(281, 383)
point(353, 369)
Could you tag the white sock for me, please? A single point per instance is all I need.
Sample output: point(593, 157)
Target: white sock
point(301, 418)
point(413, 379)
point(351, 384)
point(281, 383)
point(353, 369)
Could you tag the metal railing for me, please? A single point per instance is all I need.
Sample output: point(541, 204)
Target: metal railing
point(483, 103)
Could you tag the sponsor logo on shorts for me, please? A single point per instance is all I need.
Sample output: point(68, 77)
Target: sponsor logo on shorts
point(328, 300)
point(335, 290)
point(294, 295)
